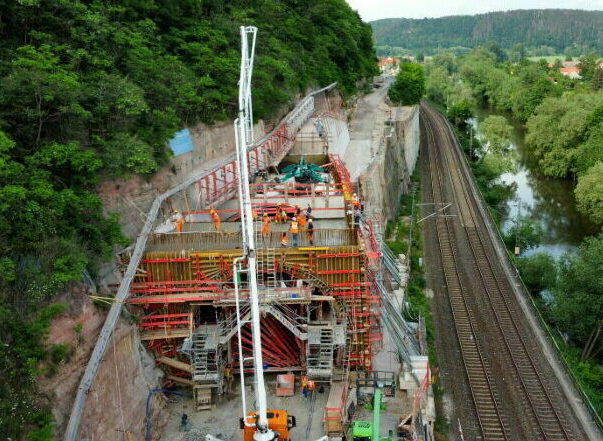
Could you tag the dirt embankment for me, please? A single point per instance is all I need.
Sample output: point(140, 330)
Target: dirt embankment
point(117, 399)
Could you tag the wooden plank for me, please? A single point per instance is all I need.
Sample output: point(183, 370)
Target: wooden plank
point(175, 364)
point(181, 380)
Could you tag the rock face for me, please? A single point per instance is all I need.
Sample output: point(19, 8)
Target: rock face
point(118, 398)
point(77, 327)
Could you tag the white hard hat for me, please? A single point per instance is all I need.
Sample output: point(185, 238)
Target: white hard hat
point(293, 219)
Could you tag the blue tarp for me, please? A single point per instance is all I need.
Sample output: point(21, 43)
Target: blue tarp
point(182, 142)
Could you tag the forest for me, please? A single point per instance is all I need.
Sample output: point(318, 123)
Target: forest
point(548, 32)
point(92, 90)
point(564, 122)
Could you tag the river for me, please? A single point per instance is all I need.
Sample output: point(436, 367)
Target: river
point(548, 201)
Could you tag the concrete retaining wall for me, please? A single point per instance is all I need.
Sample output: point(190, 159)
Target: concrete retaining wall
point(388, 177)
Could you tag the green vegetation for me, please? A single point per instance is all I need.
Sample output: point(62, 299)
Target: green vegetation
point(409, 87)
point(589, 193)
point(524, 32)
point(93, 90)
point(564, 117)
point(538, 271)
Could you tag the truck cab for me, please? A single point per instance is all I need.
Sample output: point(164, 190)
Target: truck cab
point(278, 420)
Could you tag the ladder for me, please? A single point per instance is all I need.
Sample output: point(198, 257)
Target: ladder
point(269, 267)
point(205, 360)
point(325, 359)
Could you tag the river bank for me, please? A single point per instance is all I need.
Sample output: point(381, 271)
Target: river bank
point(547, 201)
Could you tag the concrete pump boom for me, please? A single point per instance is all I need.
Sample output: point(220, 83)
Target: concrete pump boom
point(244, 130)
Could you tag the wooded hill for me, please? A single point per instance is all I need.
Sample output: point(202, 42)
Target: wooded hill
point(556, 28)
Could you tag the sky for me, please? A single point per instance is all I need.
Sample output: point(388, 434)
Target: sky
point(374, 9)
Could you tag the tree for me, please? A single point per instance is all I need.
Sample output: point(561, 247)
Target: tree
point(588, 65)
point(459, 113)
point(420, 57)
point(578, 301)
point(538, 271)
point(497, 132)
point(525, 234)
point(409, 87)
point(589, 193)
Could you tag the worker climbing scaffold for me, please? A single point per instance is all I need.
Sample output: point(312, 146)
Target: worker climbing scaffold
point(216, 219)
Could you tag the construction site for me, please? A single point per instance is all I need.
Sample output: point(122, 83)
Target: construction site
point(264, 283)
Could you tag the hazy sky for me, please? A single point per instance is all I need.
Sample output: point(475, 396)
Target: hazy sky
point(375, 9)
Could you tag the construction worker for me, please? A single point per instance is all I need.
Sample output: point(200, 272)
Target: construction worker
point(284, 239)
point(297, 210)
point(254, 213)
point(184, 423)
point(178, 220)
point(308, 211)
point(357, 215)
point(294, 230)
point(310, 231)
point(283, 215)
point(355, 201)
point(265, 225)
point(301, 220)
point(304, 386)
point(228, 379)
point(278, 218)
point(216, 218)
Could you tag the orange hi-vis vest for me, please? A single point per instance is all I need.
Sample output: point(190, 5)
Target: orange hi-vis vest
point(294, 227)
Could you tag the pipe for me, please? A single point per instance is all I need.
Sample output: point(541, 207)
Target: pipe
point(235, 273)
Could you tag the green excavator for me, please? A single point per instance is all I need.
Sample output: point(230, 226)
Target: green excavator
point(367, 431)
point(303, 172)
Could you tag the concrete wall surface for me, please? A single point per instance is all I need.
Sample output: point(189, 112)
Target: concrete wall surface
point(388, 176)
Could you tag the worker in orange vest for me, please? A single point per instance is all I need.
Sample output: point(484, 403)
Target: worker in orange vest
point(294, 230)
point(284, 239)
point(355, 201)
point(265, 225)
point(178, 220)
point(277, 216)
point(216, 219)
point(301, 220)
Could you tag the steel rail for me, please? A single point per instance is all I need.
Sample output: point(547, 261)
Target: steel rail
point(487, 404)
point(550, 422)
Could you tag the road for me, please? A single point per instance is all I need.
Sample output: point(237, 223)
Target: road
point(366, 127)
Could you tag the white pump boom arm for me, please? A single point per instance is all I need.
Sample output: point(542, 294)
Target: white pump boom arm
point(244, 129)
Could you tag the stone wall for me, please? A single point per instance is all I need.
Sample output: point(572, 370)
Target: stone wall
point(388, 176)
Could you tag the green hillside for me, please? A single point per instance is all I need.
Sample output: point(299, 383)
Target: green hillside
point(558, 29)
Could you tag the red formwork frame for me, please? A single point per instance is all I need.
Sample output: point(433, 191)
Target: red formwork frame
point(222, 181)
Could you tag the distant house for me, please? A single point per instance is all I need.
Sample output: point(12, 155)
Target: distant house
point(572, 72)
point(566, 64)
point(388, 65)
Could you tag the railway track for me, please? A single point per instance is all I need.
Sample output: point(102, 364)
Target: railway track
point(450, 183)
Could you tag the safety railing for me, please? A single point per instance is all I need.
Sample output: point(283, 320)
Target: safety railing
point(231, 240)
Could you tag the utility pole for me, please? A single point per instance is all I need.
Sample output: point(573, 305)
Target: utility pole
point(517, 221)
